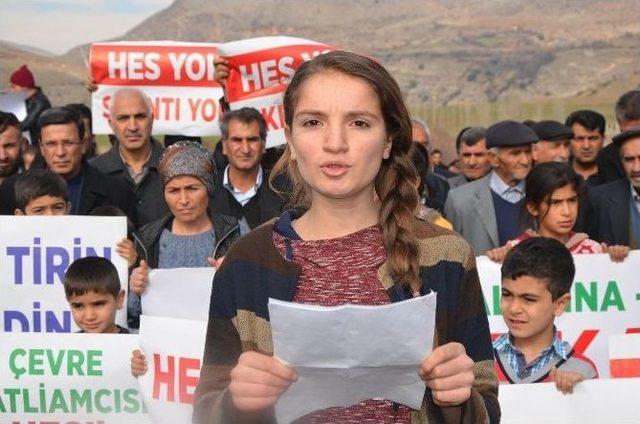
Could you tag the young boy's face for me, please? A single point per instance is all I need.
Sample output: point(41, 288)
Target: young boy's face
point(96, 312)
point(527, 307)
point(46, 205)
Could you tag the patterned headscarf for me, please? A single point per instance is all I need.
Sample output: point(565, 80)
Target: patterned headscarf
point(188, 158)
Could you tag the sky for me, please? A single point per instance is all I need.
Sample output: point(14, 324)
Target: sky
point(59, 25)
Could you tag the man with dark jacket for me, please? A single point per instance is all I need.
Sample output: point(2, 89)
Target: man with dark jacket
point(614, 208)
point(134, 158)
point(22, 81)
point(61, 146)
point(11, 145)
point(628, 116)
point(242, 189)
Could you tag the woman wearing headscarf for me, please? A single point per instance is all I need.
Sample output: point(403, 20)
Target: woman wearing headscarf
point(190, 235)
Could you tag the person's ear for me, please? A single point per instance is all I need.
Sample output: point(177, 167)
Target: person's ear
point(68, 209)
point(532, 209)
point(535, 151)
point(224, 147)
point(560, 304)
point(18, 212)
point(387, 148)
point(287, 136)
point(493, 159)
point(120, 299)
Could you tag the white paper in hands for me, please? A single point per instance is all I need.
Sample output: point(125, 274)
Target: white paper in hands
point(182, 293)
point(347, 354)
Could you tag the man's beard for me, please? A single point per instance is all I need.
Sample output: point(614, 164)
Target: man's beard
point(9, 171)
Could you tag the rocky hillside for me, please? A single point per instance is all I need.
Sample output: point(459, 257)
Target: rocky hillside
point(443, 52)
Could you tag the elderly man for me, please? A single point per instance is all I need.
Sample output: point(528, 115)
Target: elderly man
point(473, 156)
point(488, 212)
point(61, 146)
point(614, 208)
point(554, 142)
point(134, 158)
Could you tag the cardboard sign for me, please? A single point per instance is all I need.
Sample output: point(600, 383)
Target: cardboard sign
point(592, 401)
point(173, 349)
point(69, 378)
point(179, 293)
point(178, 77)
point(624, 355)
point(259, 71)
point(35, 252)
point(604, 302)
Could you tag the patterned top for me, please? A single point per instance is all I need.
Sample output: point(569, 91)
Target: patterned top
point(255, 270)
point(510, 194)
point(515, 359)
point(578, 243)
point(335, 272)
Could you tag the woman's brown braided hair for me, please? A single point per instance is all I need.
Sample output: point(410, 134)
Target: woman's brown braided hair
point(397, 178)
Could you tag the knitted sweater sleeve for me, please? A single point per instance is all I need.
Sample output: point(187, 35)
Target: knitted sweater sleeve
point(470, 327)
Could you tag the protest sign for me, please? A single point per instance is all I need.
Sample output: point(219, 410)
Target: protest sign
point(14, 103)
point(69, 378)
point(259, 71)
point(605, 300)
point(592, 401)
point(179, 293)
point(173, 349)
point(178, 77)
point(35, 252)
point(624, 355)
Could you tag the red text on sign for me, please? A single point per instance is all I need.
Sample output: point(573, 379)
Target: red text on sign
point(175, 376)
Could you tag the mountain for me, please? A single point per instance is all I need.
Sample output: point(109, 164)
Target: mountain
point(443, 52)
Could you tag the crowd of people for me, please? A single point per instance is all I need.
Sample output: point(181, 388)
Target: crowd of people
point(357, 207)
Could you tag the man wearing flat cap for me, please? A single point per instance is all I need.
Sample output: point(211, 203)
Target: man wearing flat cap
point(488, 212)
point(614, 208)
point(553, 146)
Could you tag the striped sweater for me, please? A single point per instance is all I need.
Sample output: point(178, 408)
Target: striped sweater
point(254, 271)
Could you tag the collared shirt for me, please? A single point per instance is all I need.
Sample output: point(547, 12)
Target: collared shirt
point(137, 177)
point(242, 197)
point(557, 350)
point(510, 194)
point(636, 197)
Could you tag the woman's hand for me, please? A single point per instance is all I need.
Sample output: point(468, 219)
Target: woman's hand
point(127, 251)
point(138, 363)
point(499, 253)
point(617, 252)
point(448, 372)
point(215, 263)
point(139, 278)
point(258, 381)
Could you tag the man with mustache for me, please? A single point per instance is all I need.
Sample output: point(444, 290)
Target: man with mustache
point(134, 158)
point(614, 213)
point(62, 148)
point(242, 189)
point(488, 211)
point(471, 145)
point(554, 142)
point(588, 138)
